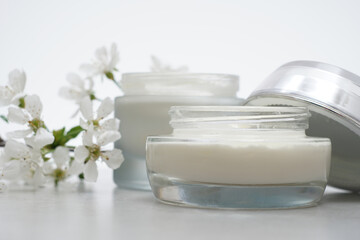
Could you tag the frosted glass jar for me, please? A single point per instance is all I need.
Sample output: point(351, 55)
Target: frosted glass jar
point(143, 111)
point(238, 157)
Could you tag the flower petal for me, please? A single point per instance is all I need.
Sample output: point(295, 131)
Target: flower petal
point(91, 171)
point(48, 167)
point(88, 135)
point(16, 150)
point(42, 138)
point(16, 99)
point(89, 69)
point(33, 105)
point(90, 84)
point(115, 58)
point(70, 93)
point(30, 141)
point(19, 133)
point(101, 55)
point(5, 96)
point(108, 137)
point(17, 81)
point(110, 124)
point(106, 107)
point(81, 153)
point(84, 124)
point(113, 158)
point(17, 115)
point(86, 108)
point(76, 168)
point(36, 156)
point(75, 80)
point(61, 156)
point(38, 178)
point(12, 169)
point(4, 158)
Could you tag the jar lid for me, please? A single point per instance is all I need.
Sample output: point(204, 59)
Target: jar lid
point(332, 95)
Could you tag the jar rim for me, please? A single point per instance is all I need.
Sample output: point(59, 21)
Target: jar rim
point(239, 117)
point(126, 76)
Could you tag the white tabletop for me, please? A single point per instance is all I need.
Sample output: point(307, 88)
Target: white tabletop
point(102, 211)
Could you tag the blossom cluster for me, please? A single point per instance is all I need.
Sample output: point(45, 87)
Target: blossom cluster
point(34, 155)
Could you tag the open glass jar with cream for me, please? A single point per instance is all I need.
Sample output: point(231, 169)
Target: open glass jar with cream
point(143, 111)
point(238, 157)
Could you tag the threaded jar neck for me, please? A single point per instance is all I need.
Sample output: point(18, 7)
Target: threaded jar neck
point(234, 118)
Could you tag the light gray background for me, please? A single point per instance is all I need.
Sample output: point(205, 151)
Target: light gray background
point(249, 38)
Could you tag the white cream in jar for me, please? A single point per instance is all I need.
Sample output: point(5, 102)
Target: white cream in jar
point(143, 111)
point(238, 157)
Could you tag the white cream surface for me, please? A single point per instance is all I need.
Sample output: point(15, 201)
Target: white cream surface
point(239, 162)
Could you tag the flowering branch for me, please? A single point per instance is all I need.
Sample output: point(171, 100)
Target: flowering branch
point(34, 155)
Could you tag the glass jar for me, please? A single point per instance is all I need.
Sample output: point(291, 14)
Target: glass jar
point(143, 111)
point(238, 157)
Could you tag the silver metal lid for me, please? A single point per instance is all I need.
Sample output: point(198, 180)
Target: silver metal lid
point(333, 97)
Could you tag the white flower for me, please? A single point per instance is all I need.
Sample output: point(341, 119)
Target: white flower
point(30, 116)
point(105, 61)
point(76, 168)
point(16, 84)
point(13, 169)
point(57, 167)
point(113, 158)
point(78, 89)
point(41, 138)
point(105, 109)
point(61, 157)
point(14, 150)
point(33, 109)
point(158, 66)
point(21, 162)
point(33, 105)
point(18, 115)
point(37, 178)
point(88, 153)
point(98, 133)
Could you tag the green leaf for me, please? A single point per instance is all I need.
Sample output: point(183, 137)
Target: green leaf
point(61, 137)
point(4, 118)
point(92, 96)
point(81, 176)
point(73, 133)
point(110, 75)
point(22, 102)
